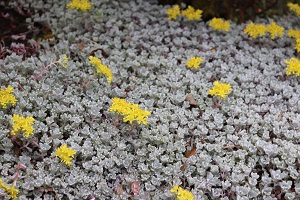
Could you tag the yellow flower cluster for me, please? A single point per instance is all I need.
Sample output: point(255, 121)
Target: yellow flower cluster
point(83, 5)
point(220, 89)
point(65, 154)
point(101, 68)
point(6, 97)
point(22, 124)
point(63, 60)
point(10, 190)
point(190, 13)
point(275, 30)
point(219, 24)
point(182, 194)
point(255, 30)
point(297, 46)
point(294, 33)
point(194, 62)
point(294, 8)
point(293, 66)
point(173, 12)
point(131, 112)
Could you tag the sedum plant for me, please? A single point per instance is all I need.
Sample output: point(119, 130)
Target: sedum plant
point(297, 45)
point(275, 30)
point(110, 162)
point(20, 123)
point(6, 97)
point(173, 12)
point(293, 66)
point(62, 61)
point(219, 24)
point(101, 68)
point(255, 30)
point(131, 112)
point(220, 89)
point(11, 190)
point(83, 5)
point(65, 154)
point(194, 62)
point(294, 8)
point(191, 13)
point(294, 33)
point(182, 194)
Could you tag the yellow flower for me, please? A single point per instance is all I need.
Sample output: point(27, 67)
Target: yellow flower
point(101, 68)
point(173, 12)
point(6, 97)
point(194, 62)
point(181, 194)
point(294, 33)
point(192, 14)
point(65, 154)
point(83, 5)
point(131, 112)
point(63, 60)
point(220, 89)
point(219, 24)
point(297, 46)
point(22, 124)
point(275, 30)
point(10, 190)
point(293, 66)
point(294, 8)
point(255, 30)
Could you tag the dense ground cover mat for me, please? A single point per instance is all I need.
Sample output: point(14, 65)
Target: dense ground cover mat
point(134, 100)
